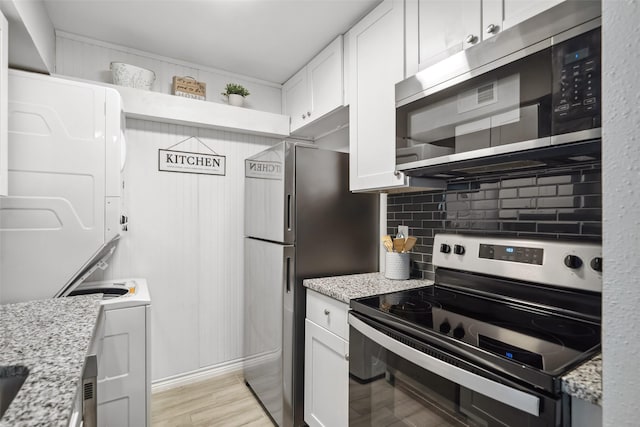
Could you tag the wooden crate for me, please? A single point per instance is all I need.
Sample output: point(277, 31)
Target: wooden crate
point(189, 88)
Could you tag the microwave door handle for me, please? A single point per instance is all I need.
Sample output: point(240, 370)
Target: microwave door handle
point(500, 392)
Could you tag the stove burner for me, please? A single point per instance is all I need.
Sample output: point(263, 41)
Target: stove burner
point(433, 293)
point(412, 310)
point(560, 327)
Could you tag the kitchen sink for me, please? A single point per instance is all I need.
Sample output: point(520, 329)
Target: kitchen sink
point(11, 379)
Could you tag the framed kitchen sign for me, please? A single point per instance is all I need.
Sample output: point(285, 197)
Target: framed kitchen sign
point(189, 87)
point(170, 160)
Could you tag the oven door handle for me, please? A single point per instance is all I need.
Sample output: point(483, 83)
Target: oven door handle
point(500, 392)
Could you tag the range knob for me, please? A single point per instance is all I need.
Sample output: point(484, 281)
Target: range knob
point(458, 332)
point(445, 327)
point(445, 249)
point(458, 249)
point(572, 261)
point(596, 264)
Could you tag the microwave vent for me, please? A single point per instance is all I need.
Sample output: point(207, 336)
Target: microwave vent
point(486, 93)
point(480, 96)
point(513, 165)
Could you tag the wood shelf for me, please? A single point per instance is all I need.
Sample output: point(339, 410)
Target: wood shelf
point(165, 108)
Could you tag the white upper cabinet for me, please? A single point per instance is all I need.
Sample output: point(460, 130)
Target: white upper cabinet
point(376, 64)
point(516, 11)
point(317, 89)
point(4, 105)
point(438, 29)
point(325, 80)
point(295, 99)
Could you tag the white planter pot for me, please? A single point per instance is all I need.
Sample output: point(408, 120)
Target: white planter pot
point(236, 100)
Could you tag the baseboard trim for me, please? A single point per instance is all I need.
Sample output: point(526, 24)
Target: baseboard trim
point(206, 373)
point(198, 375)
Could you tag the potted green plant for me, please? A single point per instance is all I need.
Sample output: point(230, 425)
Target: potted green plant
point(235, 94)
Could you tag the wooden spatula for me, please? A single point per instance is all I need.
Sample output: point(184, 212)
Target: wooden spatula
point(398, 244)
point(409, 244)
point(388, 243)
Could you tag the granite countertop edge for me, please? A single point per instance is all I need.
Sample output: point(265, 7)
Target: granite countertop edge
point(346, 288)
point(584, 382)
point(49, 338)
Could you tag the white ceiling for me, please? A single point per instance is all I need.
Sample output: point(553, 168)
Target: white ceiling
point(266, 39)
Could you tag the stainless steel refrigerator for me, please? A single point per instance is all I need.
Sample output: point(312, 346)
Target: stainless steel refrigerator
point(301, 222)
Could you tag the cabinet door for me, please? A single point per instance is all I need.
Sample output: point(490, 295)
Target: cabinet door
point(516, 11)
point(122, 369)
point(498, 15)
point(4, 104)
point(438, 29)
point(376, 50)
point(295, 99)
point(326, 378)
point(585, 414)
point(325, 80)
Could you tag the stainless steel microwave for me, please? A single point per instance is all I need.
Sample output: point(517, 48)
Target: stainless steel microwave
point(527, 98)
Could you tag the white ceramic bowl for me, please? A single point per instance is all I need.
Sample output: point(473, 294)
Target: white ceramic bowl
point(132, 76)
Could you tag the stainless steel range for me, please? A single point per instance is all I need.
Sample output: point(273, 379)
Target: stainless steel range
point(487, 345)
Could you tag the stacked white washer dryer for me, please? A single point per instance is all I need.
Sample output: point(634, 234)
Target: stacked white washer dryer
point(62, 220)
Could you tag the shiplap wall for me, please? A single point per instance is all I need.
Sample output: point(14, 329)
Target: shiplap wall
point(90, 59)
point(186, 238)
point(185, 230)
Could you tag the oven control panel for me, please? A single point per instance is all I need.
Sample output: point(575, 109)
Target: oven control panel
point(576, 265)
point(512, 253)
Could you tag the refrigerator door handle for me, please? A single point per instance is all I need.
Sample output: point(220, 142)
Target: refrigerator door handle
point(288, 212)
point(287, 273)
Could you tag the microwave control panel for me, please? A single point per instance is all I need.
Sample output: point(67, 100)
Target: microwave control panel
point(576, 94)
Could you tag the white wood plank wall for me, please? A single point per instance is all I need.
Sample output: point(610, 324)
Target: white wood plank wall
point(186, 238)
point(89, 59)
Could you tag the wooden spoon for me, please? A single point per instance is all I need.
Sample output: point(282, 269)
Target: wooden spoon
point(409, 244)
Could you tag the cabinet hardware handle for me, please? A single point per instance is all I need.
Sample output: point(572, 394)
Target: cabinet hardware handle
point(470, 39)
point(326, 312)
point(308, 113)
point(304, 116)
point(491, 29)
point(346, 356)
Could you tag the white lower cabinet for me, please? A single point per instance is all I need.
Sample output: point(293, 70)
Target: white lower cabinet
point(326, 371)
point(585, 414)
point(123, 377)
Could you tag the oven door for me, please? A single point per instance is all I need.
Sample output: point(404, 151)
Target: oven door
point(400, 381)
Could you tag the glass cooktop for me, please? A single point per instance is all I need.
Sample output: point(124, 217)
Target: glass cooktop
point(523, 334)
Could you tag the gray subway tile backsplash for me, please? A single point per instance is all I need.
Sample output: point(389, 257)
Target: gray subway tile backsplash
point(552, 203)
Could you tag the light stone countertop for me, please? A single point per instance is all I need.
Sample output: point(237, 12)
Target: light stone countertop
point(50, 338)
point(346, 288)
point(584, 382)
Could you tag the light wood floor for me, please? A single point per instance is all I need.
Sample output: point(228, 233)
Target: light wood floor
point(222, 401)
